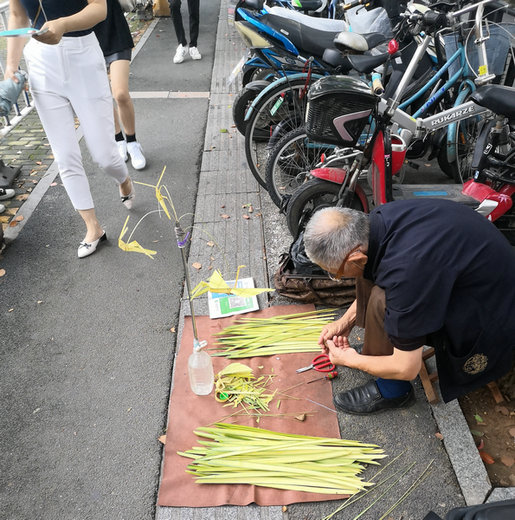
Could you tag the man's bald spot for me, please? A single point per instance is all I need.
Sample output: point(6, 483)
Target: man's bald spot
point(330, 219)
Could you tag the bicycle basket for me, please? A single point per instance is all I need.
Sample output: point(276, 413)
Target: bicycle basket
point(338, 110)
point(498, 49)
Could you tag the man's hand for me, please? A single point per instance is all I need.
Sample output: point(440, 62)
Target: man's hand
point(338, 328)
point(340, 352)
point(54, 30)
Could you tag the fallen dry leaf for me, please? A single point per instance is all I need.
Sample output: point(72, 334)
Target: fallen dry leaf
point(285, 509)
point(19, 218)
point(39, 163)
point(508, 460)
point(439, 436)
point(40, 301)
point(23, 196)
point(222, 206)
point(13, 223)
point(486, 457)
point(53, 184)
point(162, 439)
point(2, 272)
point(251, 209)
point(210, 243)
point(502, 410)
point(224, 215)
point(301, 417)
point(172, 329)
point(512, 432)
point(246, 217)
point(196, 265)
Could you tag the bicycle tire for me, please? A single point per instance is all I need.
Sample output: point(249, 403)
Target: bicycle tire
point(278, 104)
point(313, 195)
point(290, 160)
point(242, 102)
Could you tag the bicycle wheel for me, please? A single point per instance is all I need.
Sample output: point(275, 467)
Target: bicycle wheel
point(243, 100)
point(310, 197)
point(290, 160)
point(284, 102)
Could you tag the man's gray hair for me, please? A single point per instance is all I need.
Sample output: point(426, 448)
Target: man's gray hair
point(332, 233)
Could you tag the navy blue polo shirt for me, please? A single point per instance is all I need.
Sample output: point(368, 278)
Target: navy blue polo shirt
point(54, 9)
point(447, 271)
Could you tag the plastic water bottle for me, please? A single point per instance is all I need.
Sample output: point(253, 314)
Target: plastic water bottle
point(200, 370)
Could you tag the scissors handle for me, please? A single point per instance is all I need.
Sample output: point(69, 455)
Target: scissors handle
point(322, 363)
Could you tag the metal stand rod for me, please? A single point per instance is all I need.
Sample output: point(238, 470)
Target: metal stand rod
point(182, 239)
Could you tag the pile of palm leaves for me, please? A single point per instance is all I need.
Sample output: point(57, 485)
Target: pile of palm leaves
point(234, 454)
point(250, 337)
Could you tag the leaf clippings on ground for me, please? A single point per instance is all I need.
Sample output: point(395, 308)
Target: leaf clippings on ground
point(225, 216)
point(301, 417)
point(172, 329)
point(478, 418)
point(439, 436)
point(476, 433)
point(196, 265)
point(512, 432)
point(2, 272)
point(508, 460)
point(223, 130)
point(162, 439)
point(210, 243)
point(246, 217)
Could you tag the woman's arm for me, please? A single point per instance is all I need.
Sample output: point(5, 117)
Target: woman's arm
point(17, 18)
point(93, 13)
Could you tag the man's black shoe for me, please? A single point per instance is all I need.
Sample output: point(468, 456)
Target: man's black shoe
point(367, 399)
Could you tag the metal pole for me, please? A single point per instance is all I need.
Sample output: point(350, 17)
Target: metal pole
point(182, 239)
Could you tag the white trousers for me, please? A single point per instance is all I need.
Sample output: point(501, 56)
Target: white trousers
point(69, 78)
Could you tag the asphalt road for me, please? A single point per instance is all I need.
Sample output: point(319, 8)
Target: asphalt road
point(86, 350)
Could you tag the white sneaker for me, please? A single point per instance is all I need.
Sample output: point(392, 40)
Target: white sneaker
point(180, 54)
point(2, 208)
point(122, 149)
point(6, 193)
point(138, 160)
point(195, 54)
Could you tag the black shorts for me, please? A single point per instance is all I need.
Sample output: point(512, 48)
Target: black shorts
point(122, 55)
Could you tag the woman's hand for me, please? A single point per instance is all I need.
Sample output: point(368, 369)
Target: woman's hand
point(53, 32)
point(9, 73)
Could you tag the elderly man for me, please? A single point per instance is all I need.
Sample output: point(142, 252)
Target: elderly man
point(428, 272)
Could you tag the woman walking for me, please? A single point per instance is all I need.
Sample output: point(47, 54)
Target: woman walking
point(67, 76)
point(116, 43)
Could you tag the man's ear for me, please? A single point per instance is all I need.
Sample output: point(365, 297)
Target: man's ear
point(359, 259)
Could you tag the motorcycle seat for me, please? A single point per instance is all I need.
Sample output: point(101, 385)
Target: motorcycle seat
point(253, 4)
point(497, 98)
point(308, 40)
point(337, 59)
point(311, 5)
point(307, 22)
point(350, 41)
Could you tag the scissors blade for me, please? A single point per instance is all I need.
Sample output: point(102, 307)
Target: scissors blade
point(300, 370)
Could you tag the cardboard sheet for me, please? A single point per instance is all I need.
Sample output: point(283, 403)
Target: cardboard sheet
point(188, 411)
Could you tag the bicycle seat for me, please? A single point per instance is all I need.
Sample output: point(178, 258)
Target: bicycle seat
point(366, 64)
point(350, 41)
point(497, 98)
point(337, 59)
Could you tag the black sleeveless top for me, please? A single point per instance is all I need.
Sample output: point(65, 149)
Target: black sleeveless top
point(113, 33)
point(54, 9)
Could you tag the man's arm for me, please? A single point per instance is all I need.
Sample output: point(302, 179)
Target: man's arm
point(402, 364)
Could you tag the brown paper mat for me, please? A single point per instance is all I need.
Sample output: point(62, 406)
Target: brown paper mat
point(188, 411)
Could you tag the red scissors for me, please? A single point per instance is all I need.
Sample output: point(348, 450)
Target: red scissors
point(321, 363)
